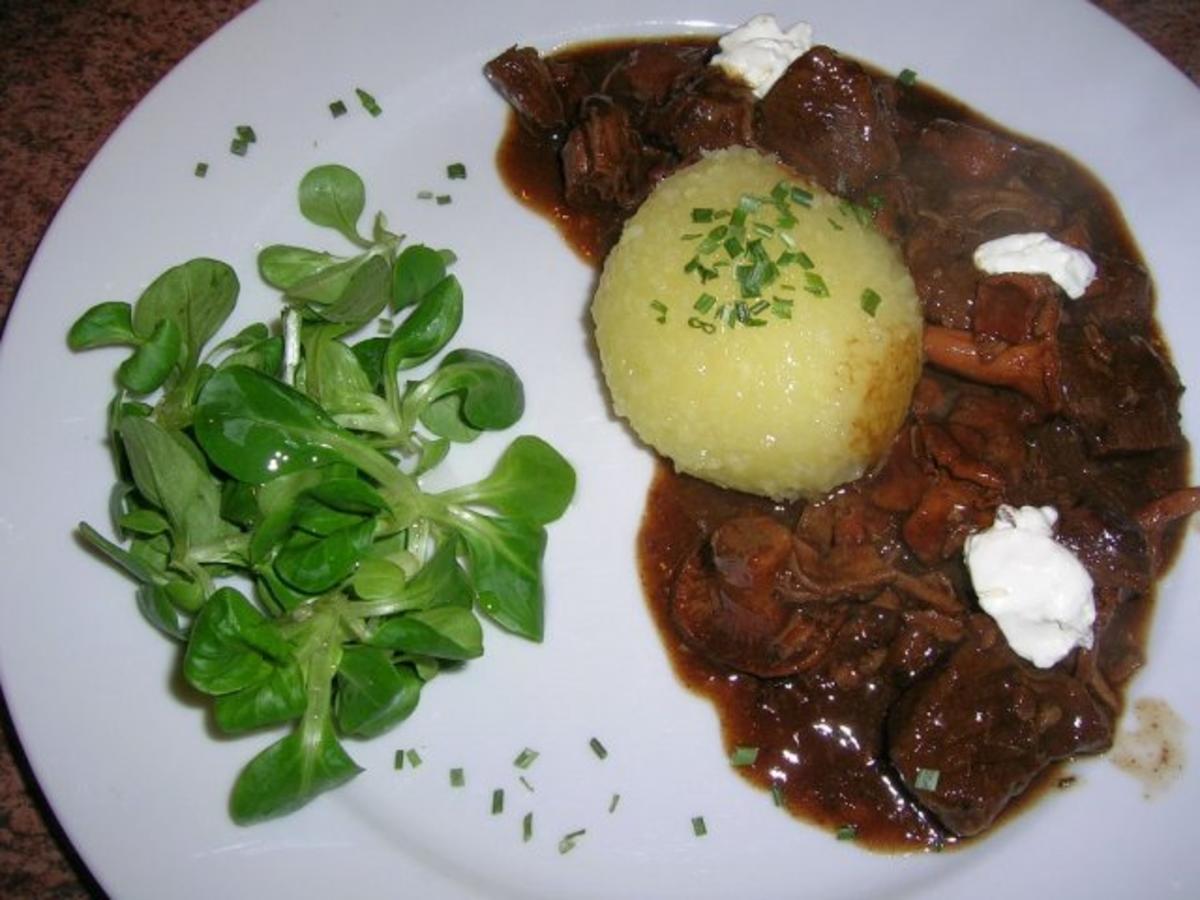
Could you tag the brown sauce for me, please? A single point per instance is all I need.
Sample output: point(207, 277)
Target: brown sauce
point(821, 745)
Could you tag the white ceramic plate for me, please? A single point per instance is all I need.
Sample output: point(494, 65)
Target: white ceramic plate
point(135, 774)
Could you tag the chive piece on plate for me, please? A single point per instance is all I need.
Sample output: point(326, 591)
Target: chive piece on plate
point(927, 779)
point(568, 842)
point(525, 758)
point(743, 756)
point(368, 102)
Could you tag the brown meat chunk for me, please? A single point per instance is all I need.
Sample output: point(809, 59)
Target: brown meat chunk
point(1121, 390)
point(823, 118)
point(966, 153)
point(987, 723)
point(604, 161)
point(651, 73)
point(712, 114)
point(525, 81)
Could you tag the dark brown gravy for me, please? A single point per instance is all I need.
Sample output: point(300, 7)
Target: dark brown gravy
point(820, 746)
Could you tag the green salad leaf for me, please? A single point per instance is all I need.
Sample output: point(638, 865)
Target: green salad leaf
point(291, 458)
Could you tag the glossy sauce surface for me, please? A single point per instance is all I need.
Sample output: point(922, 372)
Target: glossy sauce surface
point(822, 744)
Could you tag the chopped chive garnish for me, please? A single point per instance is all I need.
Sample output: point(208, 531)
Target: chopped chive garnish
point(413, 757)
point(749, 203)
point(805, 260)
point(398, 760)
point(837, 226)
point(246, 133)
point(691, 236)
point(527, 827)
point(733, 247)
point(713, 239)
point(764, 229)
point(424, 195)
point(721, 214)
point(927, 779)
point(661, 309)
point(741, 312)
point(386, 326)
point(743, 756)
point(861, 214)
point(238, 147)
point(442, 199)
point(456, 170)
point(201, 169)
point(706, 327)
point(781, 309)
point(525, 783)
point(699, 829)
point(568, 842)
point(598, 748)
point(907, 77)
point(497, 801)
point(702, 214)
point(847, 832)
point(368, 102)
point(815, 284)
point(457, 778)
point(337, 108)
point(704, 303)
point(612, 804)
point(870, 302)
point(760, 306)
point(779, 193)
point(777, 795)
point(525, 758)
point(801, 196)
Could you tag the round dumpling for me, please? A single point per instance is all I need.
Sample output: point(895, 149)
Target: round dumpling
point(757, 330)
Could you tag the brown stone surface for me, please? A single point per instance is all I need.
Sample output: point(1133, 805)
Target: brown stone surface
point(70, 70)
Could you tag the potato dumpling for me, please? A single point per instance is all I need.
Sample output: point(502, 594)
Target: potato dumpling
point(757, 330)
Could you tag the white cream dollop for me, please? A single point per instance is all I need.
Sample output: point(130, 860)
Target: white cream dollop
point(1038, 592)
point(760, 51)
point(1038, 254)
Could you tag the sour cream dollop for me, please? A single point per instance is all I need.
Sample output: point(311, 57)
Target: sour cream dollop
point(1036, 589)
point(760, 51)
point(1038, 254)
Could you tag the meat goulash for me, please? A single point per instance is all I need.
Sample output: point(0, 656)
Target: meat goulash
point(842, 636)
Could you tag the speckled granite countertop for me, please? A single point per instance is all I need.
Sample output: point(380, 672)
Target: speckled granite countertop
point(70, 70)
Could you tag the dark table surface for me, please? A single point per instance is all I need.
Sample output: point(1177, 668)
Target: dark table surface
point(70, 70)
